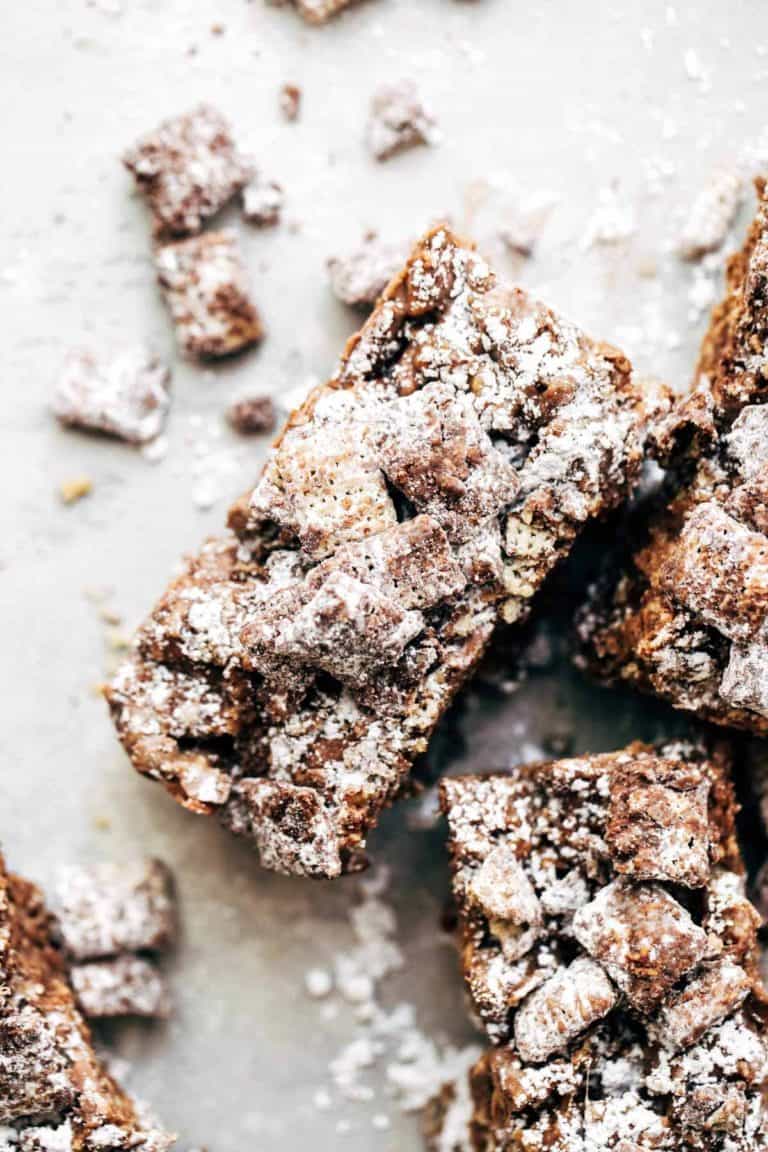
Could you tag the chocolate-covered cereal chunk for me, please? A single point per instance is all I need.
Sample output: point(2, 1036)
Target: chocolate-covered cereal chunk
point(206, 288)
point(187, 169)
point(684, 613)
point(297, 667)
point(633, 1017)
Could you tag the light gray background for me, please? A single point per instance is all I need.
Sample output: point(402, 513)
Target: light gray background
point(535, 99)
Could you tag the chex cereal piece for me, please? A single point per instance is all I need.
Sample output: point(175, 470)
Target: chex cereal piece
point(636, 1018)
point(107, 908)
point(113, 921)
point(206, 288)
point(125, 396)
point(399, 119)
point(187, 169)
point(360, 275)
point(54, 1093)
point(297, 667)
point(122, 985)
point(685, 615)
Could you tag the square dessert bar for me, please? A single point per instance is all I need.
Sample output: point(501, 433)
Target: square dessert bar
point(291, 674)
point(54, 1093)
point(687, 615)
point(610, 952)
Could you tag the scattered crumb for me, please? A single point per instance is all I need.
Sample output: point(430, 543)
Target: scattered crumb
point(613, 220)
point(73, 490)
point(290, 101)
point(358, 276)
point(263, 201)
point(318, 983)
point(252, 414)
point(712, 214)
point(399, 119)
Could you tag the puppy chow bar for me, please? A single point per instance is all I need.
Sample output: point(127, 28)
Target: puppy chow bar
point(291, 674)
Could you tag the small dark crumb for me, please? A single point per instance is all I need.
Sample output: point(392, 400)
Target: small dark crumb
point(252, 414)
point(217, 29)
point(290, 101)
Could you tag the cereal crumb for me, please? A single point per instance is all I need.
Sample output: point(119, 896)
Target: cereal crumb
point(73, 490)
point(399, 120)
point(290, 101)
point(252, 414)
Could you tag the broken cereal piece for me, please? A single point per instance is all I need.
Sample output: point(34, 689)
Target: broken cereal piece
point(125, 396)
point(262, 201)
point(298, 666)
point(205, 286)
point(358, 277)
point(399, 119)
point(54, 1092)
point(187, 169)
point(252, 414)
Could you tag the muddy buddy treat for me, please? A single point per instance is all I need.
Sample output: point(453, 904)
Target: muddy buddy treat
point(611, 954)
point(125, 396)
point(399, 120)
point(54, 1093)
point(687, 618)
point(295, 668)
point(360, 275)
point(113, 921)
point(206, 288)
point(187, 169)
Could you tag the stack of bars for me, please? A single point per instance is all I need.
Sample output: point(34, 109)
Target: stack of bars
point(606, 941)
point(297, 667)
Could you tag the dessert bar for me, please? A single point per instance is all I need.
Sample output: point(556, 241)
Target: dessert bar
point(294, 670)
point(54, 1093)
point(687, 615)
point(610, 952)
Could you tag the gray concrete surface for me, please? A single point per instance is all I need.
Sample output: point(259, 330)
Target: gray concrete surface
point(535, 99)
